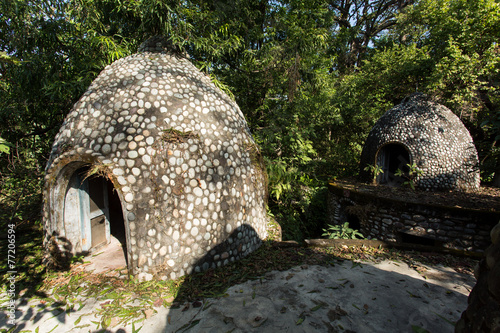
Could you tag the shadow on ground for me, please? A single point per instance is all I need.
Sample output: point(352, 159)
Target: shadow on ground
point(297, 289)
point(279, 288)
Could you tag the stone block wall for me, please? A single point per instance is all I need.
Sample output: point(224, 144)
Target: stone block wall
point(395, 220)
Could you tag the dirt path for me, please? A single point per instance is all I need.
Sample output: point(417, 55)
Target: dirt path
point(346, 296)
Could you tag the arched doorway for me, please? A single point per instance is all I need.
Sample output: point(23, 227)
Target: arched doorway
point(93, 216)
point(391, 158)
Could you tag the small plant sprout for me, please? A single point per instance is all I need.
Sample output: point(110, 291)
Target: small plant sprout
point(411, 176)
point(375, 170)
point(342, 232)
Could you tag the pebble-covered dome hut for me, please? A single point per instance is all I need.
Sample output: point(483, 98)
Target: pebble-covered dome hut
point(155, 151)
point(424, 134)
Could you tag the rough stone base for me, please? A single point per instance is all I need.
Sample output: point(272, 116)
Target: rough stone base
point(483, 311)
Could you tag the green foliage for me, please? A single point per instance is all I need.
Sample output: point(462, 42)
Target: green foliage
point(51, 52)
point(28, 260)
point(5, 58)
point(20, 184)
point(296, 201)
point(4, 146)
point(461, 38)
point(342, 232)
point(375, 170)
point(410, 176)
point(77, 259)
point(309, 77)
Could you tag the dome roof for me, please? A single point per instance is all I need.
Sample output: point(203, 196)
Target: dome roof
point(179, 153)
point(428, 136)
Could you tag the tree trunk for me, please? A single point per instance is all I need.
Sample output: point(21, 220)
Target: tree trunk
point(496, 179)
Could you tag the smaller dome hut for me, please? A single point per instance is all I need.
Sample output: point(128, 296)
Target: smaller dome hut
point(422, 135)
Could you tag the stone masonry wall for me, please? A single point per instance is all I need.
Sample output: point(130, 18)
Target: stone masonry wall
point(398, 221)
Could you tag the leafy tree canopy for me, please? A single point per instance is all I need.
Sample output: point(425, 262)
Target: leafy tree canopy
point(311, 77)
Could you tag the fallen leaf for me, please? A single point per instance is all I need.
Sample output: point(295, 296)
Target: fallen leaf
point(148, 313)
point(336, 314)
point(317, 307)
point(158, 302)
point(114, 322)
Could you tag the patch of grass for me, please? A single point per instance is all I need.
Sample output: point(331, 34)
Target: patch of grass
point(122, 300)
point(175, 136)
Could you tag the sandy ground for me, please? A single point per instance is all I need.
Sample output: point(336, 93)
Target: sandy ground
point(347, 297)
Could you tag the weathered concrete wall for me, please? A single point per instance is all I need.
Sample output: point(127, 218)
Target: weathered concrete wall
point(483, 311)
point(396, 220)
point(180, 155)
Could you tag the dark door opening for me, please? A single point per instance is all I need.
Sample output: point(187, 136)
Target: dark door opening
point(116, 222)
point(407, 238)
point(346, 215)
point(105, 203)
point(391, 158)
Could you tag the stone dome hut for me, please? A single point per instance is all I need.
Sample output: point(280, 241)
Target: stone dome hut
point(155, 154)
point(427, 135)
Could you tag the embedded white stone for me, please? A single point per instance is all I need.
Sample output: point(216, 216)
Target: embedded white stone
point(129, 197)
point(118, 172)
point(146, 159)
point(106, 149)
point(198, 191)
point(121, 180)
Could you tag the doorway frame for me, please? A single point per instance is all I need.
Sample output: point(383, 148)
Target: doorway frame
point(82, 192)
point(57, 182)
point(383, 178)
